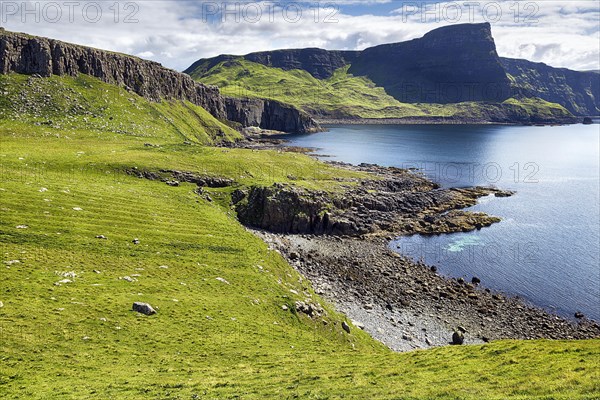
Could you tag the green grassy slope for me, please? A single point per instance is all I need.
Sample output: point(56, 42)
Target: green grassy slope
point(88, 103)
point(344, 95)
point(61, 187)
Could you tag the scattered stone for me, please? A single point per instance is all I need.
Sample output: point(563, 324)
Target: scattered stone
point(284, 307)
point(163, 267)
point(475, 280)
point(11, 262)
point(579, 315)
point(406, 337)
point(101, 237)
point(143, 308)
point(223, 280)
point(96, 271)
point(294, 256)
point(63, 282)
point(172, 183)
point(427, 342)
point(87, 338)
point(22, 227)
point(345, 327)
point(369, 306)
point(1, 304)
point(42, 190)
point(135, 241)
point(128, 279)
point(77, 209)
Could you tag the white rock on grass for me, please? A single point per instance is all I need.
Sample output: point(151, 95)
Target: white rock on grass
point(223, 280)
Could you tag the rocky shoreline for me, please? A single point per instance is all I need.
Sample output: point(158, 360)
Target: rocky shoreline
point(408, 305)
point(404, 304)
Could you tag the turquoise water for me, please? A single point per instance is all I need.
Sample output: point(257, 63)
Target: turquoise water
point(546, 249)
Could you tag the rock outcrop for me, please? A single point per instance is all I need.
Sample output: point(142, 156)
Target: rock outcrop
point(26, 54)
point(400, 202)
point(269, 114)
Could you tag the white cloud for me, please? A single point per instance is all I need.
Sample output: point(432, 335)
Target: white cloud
point(177, 33)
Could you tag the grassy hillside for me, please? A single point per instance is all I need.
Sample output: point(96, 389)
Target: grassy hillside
point(87, 103)
point(345, 95)
point(64, 183)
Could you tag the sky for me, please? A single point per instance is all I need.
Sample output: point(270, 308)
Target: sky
point(176, 33)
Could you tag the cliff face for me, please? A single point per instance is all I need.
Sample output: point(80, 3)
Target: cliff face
point(318, 62)
point(26, 54)
point(269, 114)
point(448, 65)
point(578, 92)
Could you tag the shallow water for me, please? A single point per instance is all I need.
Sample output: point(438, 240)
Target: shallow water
point(546, 249)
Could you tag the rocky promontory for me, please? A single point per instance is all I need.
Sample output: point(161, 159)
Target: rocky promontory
point(395, 200)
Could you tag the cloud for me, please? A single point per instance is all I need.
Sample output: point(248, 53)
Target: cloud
point(177, 33)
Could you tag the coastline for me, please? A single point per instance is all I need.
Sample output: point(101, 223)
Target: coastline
point(440, 121)
point(406, 304)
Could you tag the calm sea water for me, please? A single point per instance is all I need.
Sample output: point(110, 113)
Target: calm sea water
point(547, 248)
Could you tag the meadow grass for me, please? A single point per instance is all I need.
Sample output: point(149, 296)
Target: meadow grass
point(62, 186)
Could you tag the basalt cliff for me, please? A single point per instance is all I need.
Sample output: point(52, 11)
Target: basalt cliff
point(31, 55)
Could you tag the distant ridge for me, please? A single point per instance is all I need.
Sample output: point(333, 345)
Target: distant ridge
point(451, 64)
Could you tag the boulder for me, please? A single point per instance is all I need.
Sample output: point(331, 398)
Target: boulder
point(143, 308)
point(458, 337)
point(345, 326)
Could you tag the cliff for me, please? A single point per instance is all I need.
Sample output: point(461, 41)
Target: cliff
point(25, 54)
point(269, 114)
point(451, 64)
point(578, 92)
point(318, 62)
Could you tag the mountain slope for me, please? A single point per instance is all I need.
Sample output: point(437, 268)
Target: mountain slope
point(578, 91)
point(344, 96)
point(31, 55)
point(448, 66)
point(62, 103)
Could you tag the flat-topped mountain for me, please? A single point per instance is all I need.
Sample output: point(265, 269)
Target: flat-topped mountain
point(449, 65)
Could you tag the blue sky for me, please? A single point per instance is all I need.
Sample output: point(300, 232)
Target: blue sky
point(562, 33)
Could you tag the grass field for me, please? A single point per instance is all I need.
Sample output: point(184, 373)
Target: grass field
point(62, 185)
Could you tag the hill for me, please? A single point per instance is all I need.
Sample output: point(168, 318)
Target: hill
point(452, 72)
